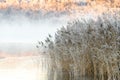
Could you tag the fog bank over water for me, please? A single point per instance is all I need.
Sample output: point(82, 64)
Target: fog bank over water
point(29, 26)
point(16, 26)
point(20, 32)
point(17, 49)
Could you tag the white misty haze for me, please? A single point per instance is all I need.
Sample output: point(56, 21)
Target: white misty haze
point(20, 30)
point(23, 29)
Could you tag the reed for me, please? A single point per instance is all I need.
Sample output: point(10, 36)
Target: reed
point(87, 49)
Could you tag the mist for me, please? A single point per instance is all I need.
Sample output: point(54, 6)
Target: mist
point(19, 34)
point(20, 27)
point(20, 30)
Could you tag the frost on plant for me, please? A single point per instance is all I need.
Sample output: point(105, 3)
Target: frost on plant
point(85, 50)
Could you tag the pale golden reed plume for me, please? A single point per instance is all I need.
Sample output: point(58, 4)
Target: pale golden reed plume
point(55, 5)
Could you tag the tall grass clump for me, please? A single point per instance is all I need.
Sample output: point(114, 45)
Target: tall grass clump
point(85, 49)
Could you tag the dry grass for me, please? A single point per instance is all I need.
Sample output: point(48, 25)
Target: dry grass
point(86, 49)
